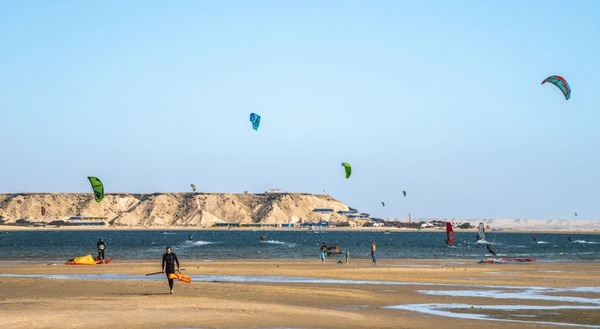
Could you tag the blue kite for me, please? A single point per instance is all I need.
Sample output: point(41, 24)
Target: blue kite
point(255, 119)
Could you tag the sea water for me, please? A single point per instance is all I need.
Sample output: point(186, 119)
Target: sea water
point(245, 244)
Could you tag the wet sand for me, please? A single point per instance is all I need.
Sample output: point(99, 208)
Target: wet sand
point(301, 294)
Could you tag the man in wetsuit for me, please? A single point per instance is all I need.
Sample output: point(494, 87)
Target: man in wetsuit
point(101, 249)
point(169, 260)
point(490, 250)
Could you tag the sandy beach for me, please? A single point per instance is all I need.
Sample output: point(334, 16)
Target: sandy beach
point(301, 294)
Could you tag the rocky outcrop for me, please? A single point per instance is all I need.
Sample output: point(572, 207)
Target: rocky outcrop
point(171, 209)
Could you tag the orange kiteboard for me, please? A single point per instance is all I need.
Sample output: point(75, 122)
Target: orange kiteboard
point(180, 277)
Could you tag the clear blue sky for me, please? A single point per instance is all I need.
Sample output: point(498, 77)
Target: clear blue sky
point(442, 99)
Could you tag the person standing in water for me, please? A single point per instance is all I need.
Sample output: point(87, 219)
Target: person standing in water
point(101, 249)
point(169, 260)
point(323, 252)
point(373, 248)
point(490, 250)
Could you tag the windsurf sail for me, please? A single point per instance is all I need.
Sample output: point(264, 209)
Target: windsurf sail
point(481, 234)
point(97, 187)
point(449, 234)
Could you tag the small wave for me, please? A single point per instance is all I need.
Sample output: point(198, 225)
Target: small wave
point(196, 243)
point(541, 242)
point(281, 242)
point(583, 241)
point(169, 233)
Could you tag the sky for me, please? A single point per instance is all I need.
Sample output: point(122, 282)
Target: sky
point(442, 99)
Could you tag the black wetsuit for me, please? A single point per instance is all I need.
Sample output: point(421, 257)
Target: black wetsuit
point(101, 248)
point(168, 266)
point(490, 250)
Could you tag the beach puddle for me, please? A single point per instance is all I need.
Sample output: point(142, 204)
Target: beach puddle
point(504, 313)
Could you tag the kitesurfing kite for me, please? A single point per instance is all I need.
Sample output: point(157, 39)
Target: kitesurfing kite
point(97, 187)
point(404, 192)
point(194, 187)
point(383, 203)
point(348, 169)
point(255, 119)
point(561, 83)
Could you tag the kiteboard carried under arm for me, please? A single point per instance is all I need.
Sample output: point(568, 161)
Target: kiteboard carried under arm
point(180, 277)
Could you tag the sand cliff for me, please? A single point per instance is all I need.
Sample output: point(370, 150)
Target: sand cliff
point(171, 209)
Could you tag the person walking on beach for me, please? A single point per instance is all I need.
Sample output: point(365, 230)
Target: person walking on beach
point(101, 246)
point(346, 256)
point(323, 252)
point(169, 260)
point(373, 248)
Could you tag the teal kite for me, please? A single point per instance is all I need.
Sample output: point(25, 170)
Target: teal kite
point(97, 187)
point(255, 119)
point(561, 83)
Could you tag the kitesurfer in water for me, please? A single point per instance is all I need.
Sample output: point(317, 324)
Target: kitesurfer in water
point(169, 260)
point(490, 250)
point(191, 237)
point(570, 240)
point(373, 248)
point(101, 249)
point(534, 239)
point(262, 238)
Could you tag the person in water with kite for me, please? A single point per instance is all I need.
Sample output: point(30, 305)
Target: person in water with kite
point(169, 260)
point(490, 250)
point(323, 252)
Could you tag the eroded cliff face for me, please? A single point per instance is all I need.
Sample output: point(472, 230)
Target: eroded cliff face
point(171, 209)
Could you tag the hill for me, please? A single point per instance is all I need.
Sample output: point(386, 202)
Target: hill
point(170, 209)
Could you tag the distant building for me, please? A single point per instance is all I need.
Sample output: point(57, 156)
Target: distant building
point(274, 190)
point(325, 210)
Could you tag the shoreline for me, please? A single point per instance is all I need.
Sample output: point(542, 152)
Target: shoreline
point(8, 228)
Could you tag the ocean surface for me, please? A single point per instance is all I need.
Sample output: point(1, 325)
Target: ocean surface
point(58, 246)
